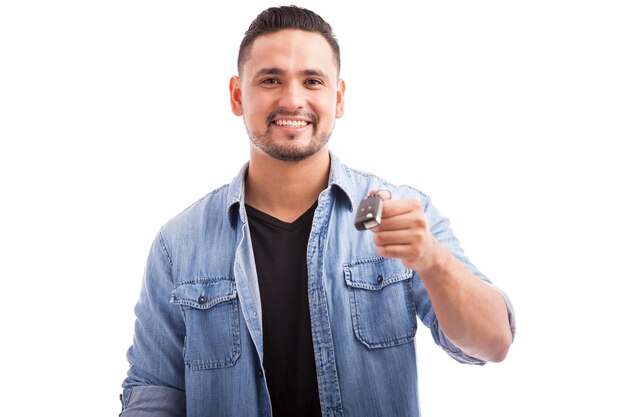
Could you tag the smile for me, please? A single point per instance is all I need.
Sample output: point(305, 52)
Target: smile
point(291, 123)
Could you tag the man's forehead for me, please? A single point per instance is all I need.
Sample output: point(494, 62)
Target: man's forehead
point(291, 48)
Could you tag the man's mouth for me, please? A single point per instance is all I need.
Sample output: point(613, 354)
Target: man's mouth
point(294, 120)
point(291, 122)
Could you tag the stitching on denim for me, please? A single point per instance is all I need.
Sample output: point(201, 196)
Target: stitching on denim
point(126, 397)
point(368, 174)
point(352, 197)
point(332, 382)
point(231, 293)
point(215, 191)
point(376, 287)
point(338, 410)
point(362, 261)
point(203, 280)
point(387, 183)
point(198, 306)
point(164, 249)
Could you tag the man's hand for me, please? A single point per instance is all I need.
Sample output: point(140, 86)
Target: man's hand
point(404, 234)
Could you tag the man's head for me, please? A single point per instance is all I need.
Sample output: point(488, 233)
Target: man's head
point(288, 89)
point(282, 18)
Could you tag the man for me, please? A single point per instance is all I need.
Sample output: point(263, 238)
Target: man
point(263, 298)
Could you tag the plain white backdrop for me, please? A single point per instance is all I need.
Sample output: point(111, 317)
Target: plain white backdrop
point(114, 117)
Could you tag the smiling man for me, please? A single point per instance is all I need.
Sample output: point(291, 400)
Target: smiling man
point(263, 298)
point(289, 94)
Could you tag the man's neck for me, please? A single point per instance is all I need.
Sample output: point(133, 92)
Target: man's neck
point(285, 190)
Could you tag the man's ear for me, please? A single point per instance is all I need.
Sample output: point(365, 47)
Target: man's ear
point(235, 96)
point(341, 89)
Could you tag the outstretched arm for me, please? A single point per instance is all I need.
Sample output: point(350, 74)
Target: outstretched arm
point(471, 313)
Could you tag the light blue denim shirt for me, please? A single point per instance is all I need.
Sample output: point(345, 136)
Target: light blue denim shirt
point(198, 344)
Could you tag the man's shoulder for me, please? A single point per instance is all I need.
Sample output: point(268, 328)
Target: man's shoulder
point(212, 200)
point(211, 209)
point(364, 181)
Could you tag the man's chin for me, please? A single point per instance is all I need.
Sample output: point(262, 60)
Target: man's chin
point(291, 156)
point(294, 148)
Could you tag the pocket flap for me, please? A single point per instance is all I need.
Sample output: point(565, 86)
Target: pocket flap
point(375, 273)
point(204, 293)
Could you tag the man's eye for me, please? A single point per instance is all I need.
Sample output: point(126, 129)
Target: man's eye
point(269, 81)
point(313, 81)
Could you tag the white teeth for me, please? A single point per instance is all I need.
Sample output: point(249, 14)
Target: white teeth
point(293, 123)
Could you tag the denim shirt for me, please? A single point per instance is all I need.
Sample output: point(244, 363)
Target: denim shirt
point(198, 344)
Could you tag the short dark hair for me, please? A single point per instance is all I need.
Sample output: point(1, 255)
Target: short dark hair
point(275, 19)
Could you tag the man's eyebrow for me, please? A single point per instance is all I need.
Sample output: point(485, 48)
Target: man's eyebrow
point(269, 71)
point(278, 71)
point(315, 73)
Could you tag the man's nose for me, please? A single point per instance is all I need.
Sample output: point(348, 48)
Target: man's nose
point(293, 97)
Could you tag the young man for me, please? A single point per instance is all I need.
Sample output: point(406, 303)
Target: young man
point(264, 299)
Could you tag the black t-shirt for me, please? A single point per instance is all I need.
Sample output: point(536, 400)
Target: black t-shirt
point(280, 255)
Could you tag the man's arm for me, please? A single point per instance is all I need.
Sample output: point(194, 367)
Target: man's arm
point(471, 313)
point(155, 382)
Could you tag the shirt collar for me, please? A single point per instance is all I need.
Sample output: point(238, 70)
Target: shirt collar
point(339, 179)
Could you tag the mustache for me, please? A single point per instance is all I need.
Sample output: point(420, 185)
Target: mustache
point(283, 112)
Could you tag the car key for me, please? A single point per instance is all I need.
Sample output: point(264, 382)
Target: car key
point(369, 213)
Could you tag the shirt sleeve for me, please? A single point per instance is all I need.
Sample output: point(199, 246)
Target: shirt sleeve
point(155, 382)
point(440, 229)
point(153, 401)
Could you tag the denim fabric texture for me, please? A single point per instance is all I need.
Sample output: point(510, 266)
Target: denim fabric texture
point(198, 344)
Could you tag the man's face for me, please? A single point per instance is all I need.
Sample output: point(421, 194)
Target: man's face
point(289, 94)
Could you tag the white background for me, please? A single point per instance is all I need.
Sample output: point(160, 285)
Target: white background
point(114, 117)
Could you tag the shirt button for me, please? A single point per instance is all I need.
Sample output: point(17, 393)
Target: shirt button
point(379, 279)
point(260, 372)
point(201, 299)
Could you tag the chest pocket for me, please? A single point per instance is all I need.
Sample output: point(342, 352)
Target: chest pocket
point(381, 302)
point(211, 310)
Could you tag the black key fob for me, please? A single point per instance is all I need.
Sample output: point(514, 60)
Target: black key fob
point(369, 213)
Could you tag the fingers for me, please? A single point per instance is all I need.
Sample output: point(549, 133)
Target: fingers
point(408, 221)
point(401, 214)
point(400, 237)
point(393, 208)
point(405, 244)
point(397, 251)
point(384, 194)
